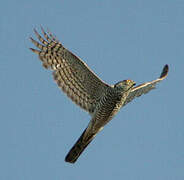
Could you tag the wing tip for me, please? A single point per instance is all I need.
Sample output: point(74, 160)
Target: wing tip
point(164, 72)
point(35, 51)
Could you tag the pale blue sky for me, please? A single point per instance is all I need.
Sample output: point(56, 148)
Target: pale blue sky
point(118, 40)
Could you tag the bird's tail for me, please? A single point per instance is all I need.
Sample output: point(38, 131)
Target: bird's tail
point(79, 147)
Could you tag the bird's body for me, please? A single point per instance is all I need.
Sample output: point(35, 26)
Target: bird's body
point(74, 77)
point(109, 104)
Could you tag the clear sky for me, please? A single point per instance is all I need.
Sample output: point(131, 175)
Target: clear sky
point(118, 40)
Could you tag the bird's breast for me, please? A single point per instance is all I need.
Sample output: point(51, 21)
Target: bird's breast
point(107, 108)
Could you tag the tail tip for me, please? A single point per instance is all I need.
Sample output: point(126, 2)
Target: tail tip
point(70, 159)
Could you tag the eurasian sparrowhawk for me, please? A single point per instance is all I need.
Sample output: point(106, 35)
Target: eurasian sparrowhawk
point(82, 86)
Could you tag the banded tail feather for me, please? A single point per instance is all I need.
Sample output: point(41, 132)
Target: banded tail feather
point(79, 147)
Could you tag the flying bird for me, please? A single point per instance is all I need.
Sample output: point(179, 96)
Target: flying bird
point(86, 89)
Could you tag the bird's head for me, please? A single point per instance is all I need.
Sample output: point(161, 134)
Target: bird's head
point(124, 85)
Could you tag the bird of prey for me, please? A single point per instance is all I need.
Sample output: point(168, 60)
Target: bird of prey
point(86, 89)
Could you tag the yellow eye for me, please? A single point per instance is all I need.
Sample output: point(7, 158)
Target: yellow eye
point(128, 81)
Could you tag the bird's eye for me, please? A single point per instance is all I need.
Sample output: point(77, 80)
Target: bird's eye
point(127, 81)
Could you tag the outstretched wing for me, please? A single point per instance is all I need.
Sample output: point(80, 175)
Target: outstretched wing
point(146, 87)
point(71, 74)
